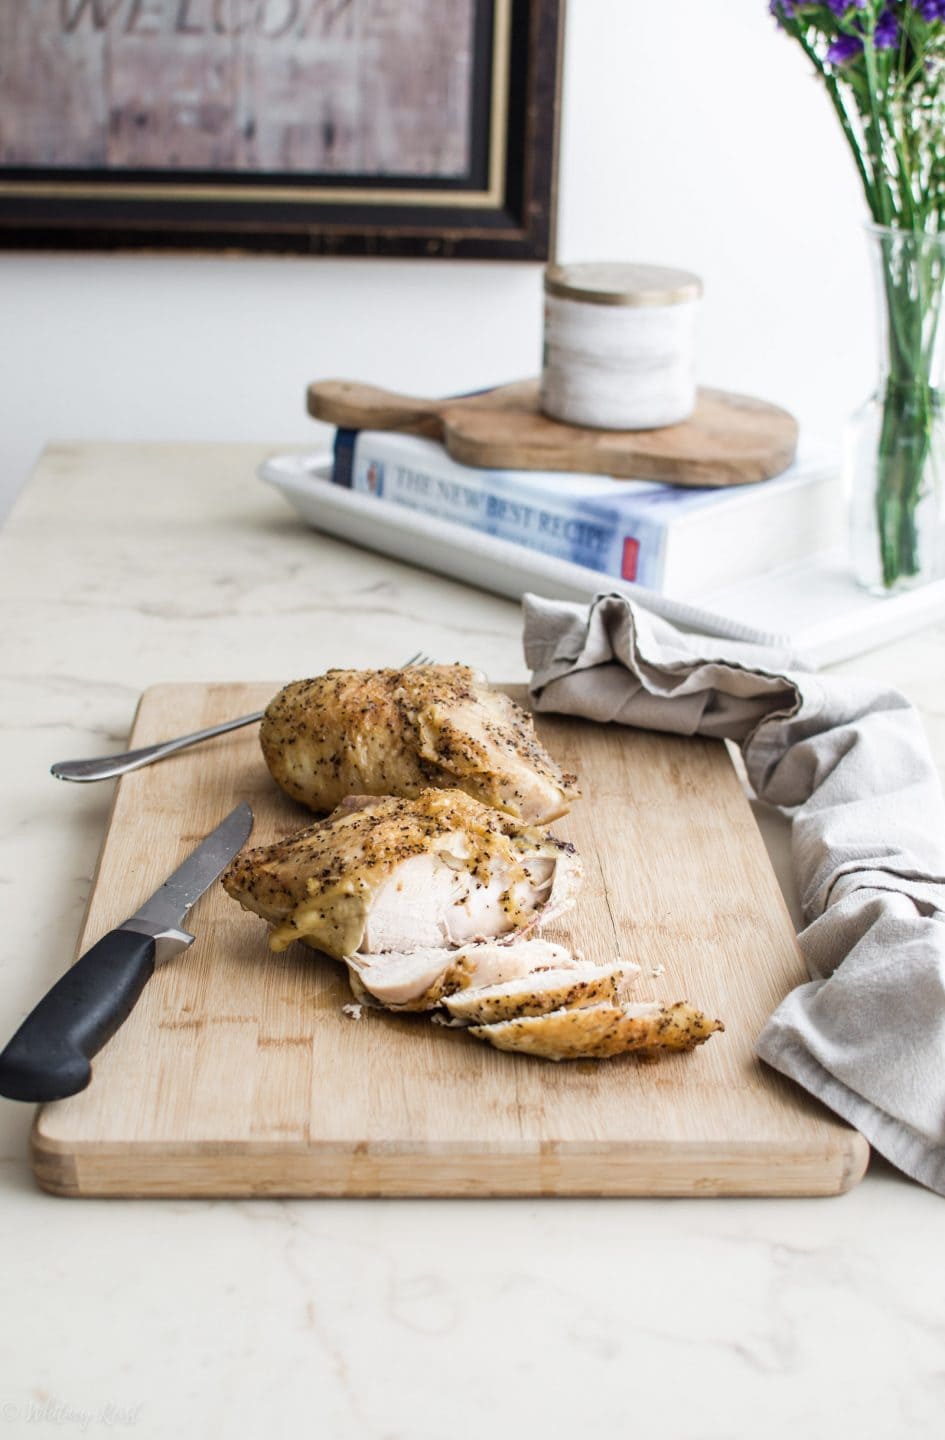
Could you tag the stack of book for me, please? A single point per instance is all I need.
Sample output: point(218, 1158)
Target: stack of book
point(682, 542)
point(808, 609)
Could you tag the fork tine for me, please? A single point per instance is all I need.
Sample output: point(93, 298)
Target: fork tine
point(419, 659)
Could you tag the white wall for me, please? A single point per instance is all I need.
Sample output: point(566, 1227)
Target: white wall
point(692, 134)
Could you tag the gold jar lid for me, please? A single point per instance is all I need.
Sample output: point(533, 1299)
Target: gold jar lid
point(619, 283)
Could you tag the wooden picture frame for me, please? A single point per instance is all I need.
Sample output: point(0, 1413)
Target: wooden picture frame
point(493, 196)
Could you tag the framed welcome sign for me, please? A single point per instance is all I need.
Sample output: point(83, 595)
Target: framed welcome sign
point(391, 127)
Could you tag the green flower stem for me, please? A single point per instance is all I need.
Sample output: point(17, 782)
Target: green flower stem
point(904, 447)
point(875, 130)
point(910, 402)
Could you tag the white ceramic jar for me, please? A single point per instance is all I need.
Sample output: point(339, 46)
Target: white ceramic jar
point(619, 351)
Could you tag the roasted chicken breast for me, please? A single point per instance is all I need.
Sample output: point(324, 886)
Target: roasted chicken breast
point(398, 732)
point(433, 904)
point(400, 875)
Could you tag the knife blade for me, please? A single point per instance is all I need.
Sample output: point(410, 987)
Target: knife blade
point(49, 1056)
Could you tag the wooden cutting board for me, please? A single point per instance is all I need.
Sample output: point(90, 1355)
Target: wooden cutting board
point(239, 1073)
point(729, 440)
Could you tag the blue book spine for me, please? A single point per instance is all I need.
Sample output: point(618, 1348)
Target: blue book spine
point(343, 468)
point(597, 532)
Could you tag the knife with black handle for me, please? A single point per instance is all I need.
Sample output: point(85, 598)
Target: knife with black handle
point(50, 1055)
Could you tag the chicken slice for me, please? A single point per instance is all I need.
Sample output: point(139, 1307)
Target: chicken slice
point(389, 874)
point(568, 987)
point(600, 1031)
point(420, 979)
point(397, 732)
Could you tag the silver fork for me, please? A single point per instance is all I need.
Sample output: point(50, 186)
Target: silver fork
point(106, 767)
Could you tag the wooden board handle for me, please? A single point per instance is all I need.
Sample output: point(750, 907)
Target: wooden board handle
point(367, 407)
point(729, 440)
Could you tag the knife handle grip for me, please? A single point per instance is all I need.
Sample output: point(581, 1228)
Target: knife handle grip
point(48, 1057)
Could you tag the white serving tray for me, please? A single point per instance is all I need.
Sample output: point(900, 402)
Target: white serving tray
point(812, 610)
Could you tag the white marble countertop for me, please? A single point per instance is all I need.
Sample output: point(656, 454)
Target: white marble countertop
point(126, 565)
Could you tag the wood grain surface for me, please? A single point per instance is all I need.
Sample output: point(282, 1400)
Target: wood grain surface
point(730, 439)
point(239, 1073)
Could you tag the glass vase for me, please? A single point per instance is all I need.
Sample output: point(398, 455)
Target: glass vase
point(895, 459)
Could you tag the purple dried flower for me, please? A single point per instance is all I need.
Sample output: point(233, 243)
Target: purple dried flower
point(886, 34)
point(931, 10)
point(844, 48)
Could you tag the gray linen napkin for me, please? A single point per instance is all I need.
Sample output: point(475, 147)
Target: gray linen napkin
point(850, 760)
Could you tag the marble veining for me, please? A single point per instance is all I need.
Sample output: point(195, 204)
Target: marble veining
point(419, 1320)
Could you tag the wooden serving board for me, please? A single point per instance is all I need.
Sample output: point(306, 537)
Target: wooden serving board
point(729, 440)
point(239, 1073)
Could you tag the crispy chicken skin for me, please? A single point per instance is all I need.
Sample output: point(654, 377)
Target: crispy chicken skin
point(392, 874)
point(397, 732)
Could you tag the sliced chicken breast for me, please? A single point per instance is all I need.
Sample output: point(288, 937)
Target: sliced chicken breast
point(567, 987)
point(398, 875)
point(398, 732)
point(421, 979)
point(598, 1032)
